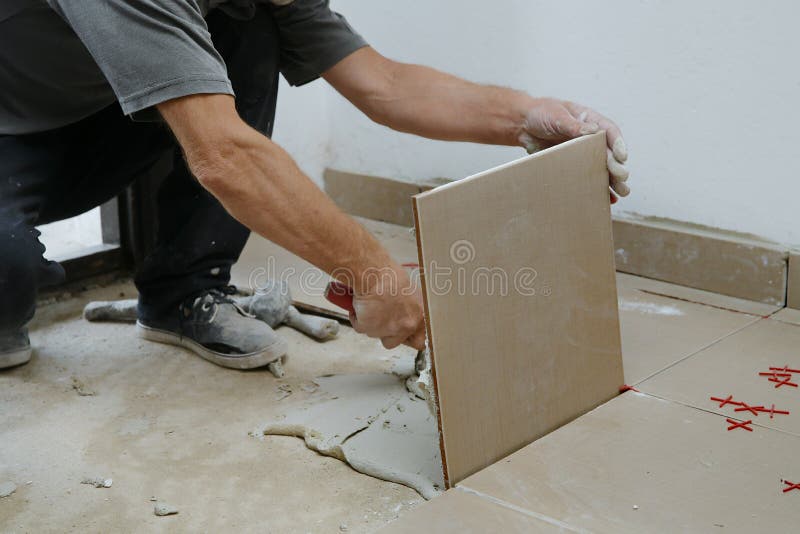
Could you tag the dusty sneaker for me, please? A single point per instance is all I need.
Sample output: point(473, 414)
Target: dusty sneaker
point(15, 348)
point(216, 328)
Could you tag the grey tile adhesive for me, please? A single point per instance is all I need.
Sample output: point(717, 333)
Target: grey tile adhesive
point(373, 423)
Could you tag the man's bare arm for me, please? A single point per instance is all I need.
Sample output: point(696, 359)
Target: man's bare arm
point(426, 102)
point(262, 187)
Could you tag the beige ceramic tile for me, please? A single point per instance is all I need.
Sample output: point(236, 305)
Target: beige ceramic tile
point(731, 367)
point(262, 260)
point(788, 315)
point(659, 331)
point(521, 301)
point(793, 280)
point(373, 197)
point(459, 512)
point(658, 287)
point(640, 464)
point(737, 265)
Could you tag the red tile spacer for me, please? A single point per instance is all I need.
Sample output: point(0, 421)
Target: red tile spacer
point(785, 369)
point(736, 424)
point(752, 409)
point(625, 387)
point(772, 411)
point(774, 374)
point(792, 486)
point(784, 382)
point(729, 400)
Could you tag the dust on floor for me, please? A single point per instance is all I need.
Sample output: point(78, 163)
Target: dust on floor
point(165, 425)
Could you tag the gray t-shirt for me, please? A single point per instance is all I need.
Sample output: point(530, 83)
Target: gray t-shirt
point(63, 60)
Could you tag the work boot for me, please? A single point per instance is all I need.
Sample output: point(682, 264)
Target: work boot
point(216, 328)
point(15, 348)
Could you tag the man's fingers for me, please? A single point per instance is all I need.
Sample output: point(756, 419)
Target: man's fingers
point(614, 139)
point(355, 323)
point(531, 144)
point(613, 133)
point(621, 189)
point(534, 145)
point(617, 176)
point(417, 341)
point(563, 125)
point(572, 127)
point(620, 150)
point(391, 342)
point(590, 126)
point(616, 169)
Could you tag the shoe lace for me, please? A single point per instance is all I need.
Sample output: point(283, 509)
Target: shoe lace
point(210, 300)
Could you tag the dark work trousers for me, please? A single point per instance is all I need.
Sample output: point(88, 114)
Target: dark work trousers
point(57, 174)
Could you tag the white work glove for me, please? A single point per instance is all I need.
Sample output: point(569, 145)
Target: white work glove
point(550, 122)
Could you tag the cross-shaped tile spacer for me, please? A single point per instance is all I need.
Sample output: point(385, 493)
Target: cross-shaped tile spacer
point(774, 374)
point(784, 382)
point(737, 424)
point(785, 369)
point(772, 411)
point(729, 400)
point(792, 486)
point(752, 409)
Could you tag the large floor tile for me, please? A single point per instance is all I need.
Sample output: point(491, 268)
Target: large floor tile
point(457, 511)
point(657, 287)
point(658, 331)
point(732, 367)
point(788, 315)
point(641, 464)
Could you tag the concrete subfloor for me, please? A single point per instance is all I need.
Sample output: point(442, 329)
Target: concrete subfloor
point(166, 424)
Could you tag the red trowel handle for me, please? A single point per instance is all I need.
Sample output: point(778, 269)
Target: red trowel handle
point(341, 295)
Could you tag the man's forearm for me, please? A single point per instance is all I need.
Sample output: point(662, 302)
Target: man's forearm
point(264, 189)
point(423, 101)
point(261, 186)
point(437, 105)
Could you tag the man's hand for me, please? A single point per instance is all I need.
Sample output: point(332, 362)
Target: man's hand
point(550, 121)
point(391, 310)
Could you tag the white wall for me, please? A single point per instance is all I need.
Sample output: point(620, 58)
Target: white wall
point(705, 92)
point(70, 236)
point(302, 125)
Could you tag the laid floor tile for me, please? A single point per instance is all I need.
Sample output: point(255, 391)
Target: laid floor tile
point(732, 367)
point(658, 287)
point(788, 315)
point(659, 331)
point(457, 511)
point(641, 464)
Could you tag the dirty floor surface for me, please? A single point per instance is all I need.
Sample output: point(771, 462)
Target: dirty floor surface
point(96, 401)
